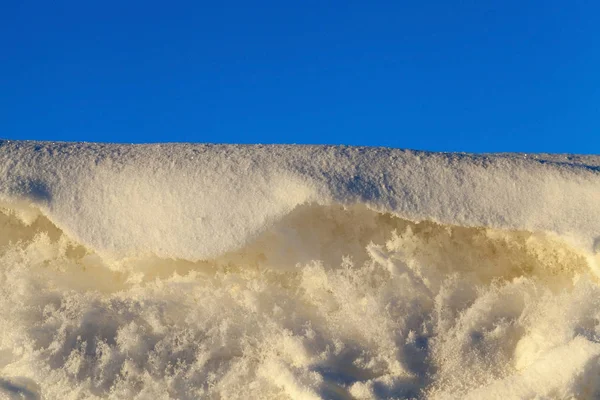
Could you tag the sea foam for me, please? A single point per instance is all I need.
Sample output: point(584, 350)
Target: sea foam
point(216, 271)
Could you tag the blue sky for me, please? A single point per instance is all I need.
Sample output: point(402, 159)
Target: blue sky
point(434, 75)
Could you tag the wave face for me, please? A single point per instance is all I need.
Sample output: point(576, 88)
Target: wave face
point(195, 271)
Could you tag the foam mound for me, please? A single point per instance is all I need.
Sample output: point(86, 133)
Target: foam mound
point(184, 271)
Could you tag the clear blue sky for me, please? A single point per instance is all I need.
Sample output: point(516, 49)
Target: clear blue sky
point(434, 75)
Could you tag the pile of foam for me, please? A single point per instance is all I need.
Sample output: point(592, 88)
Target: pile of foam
point(204, 271)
